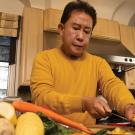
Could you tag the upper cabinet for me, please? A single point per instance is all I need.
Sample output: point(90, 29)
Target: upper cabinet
point(128, 37)
point(104, 29)
point(32, 42)
point(107, 29)
point(128, 40)
point(9, 24)
point(51, 19)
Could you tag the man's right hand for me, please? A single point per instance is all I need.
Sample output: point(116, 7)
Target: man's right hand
point(96, 107)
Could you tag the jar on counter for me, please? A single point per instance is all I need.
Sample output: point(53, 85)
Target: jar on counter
point(11, 99)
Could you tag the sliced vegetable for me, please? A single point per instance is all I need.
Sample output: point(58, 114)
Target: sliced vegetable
point(7, 111)
point(23, 106)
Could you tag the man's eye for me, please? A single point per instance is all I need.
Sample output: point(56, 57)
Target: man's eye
point(87, 31)
point(76, 28)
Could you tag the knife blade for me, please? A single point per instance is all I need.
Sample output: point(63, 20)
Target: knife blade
point(122, 117)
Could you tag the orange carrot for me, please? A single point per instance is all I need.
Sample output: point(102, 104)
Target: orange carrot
point(79, 134)
point(23, 106)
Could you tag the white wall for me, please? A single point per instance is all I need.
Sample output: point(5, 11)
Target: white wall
point(119, 10)
point(11, 6)
point(125, 13)
point(57, 4)
point(38, 3)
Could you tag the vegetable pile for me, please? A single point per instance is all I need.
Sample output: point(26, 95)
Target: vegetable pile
point(36, 120)
point(22, 106)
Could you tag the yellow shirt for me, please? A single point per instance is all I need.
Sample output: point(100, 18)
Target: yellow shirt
point(61, 82)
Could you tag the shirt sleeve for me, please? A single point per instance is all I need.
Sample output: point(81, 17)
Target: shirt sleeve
point(114, 90)
point(43, 89)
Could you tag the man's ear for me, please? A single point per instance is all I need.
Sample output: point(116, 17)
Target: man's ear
point(60, 29)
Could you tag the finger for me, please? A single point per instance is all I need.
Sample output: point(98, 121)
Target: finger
point(106, 106)
point(130, 115)
point(96, 115)
point(107, 109)
point(130, 111)
point(103, 108)
point(99, 108)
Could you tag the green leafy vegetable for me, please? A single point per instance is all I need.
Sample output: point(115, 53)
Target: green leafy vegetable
point(102, 132)
point(54, 128)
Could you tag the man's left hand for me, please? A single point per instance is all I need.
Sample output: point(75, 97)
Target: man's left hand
point(130, 111)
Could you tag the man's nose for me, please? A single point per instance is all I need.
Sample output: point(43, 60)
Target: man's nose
point(80, 35)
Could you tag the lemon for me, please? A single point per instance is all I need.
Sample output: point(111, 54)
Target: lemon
point(29, 123)
point(7, 111)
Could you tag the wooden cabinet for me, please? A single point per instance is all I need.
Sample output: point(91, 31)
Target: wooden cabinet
point(130, 79)
point(32, 42)
point(8, 24)
point(128, 37)
point(104, 29)
point(128, 40)
point(51, 19)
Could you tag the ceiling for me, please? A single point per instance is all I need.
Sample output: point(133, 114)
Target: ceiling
point(122, 11)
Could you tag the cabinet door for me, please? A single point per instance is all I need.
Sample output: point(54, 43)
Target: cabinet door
point(32, 42)
point(106, 29)
point(130, 79)
point(128, 40)
point(8, 24)
point(52, 19)
point(128, 37)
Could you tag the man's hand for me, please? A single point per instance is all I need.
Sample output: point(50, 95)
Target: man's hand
point(130, 112)
point(97, 107)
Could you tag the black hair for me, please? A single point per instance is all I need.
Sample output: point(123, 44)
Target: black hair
point(79, 6)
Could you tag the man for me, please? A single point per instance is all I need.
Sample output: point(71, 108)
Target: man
point(65, 79)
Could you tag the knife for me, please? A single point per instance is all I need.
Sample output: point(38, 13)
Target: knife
point(122, 117)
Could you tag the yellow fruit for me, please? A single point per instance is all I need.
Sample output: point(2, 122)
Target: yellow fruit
point(133, 119)
point(29, 123)
point(7, 111)
point(118, 130)
point(6, 128)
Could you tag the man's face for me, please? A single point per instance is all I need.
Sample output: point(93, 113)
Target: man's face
point(76, 33)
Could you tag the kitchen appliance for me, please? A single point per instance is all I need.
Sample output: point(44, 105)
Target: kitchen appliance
point(117, 55)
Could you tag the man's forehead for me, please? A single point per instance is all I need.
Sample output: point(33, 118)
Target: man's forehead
point(81, 18)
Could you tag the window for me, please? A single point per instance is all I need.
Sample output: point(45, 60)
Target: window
point(3, 79)
point(7, 57)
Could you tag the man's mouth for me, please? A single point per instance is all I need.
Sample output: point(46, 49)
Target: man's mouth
point(80, 46)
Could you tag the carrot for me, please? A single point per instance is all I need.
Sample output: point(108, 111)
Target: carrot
point(79, 134)
point(23, 106)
